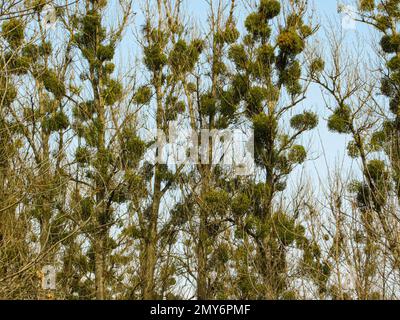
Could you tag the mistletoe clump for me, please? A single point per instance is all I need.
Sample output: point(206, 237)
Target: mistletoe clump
point(372, 195)
point(143, 95)
point(13, 32)
point(317, 66)
point(290, 78)
point(269, 8)
point(53, 84)
point(305, 121)
point(290, 42)
point(82, 155)
point(8, 92)
point(155, 59)
point(367, 5)
point(297, 154)
point(238, 55)
point(55, 122)
point(183, 57)
point(208, 104)
point(113, 92)
point(340, 120)
point(132, 148)
point(257, 26)
point(85, 110)
point(390, 43)
point(255, 97)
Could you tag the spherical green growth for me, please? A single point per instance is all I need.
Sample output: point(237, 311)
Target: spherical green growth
point(240, 85)
point(91, 28)
point(377, 170)
point(105, 53)
point(240, 204)
point(387, 87)
point(109, 68)
point(143, 95)
point(53, 84)
point(354, 186)
point(340, 120)
point(216, 201)
point(294, 88)
point(353, 150)
point(394, 63)
point(113, 92)
point(228, 103)
point(394, 104)
point(317, 66)
point(280, 186)
point(377, 140)
point(183, 57)
point(284, 228)
point(178, 56)
point(49, 105)
point(100, 3)
point(208, 104)
point(104, 156)
point(31, 51)
point(196, 47)
point(164, 174)
point(180, 107)
point(367, 5)
point(290, 78)
point(265, 55)
point(37, 5)
point(45, 48)
point(56, 122)
point(390, 43)
point(383, 22)
point(133, 232)
point(293, 20)
point(269, 8)
point(254, 99)
point(82, 155)
point(154, 58)
point(231, 34)
point(290, 42)
point(84, 111)
point(13, 32)
point(132, 147)
point(306, 31)
point(8, 93)
point(238, 55)
point(305, 121)
point(18, 64)
point(264, 127)
point(221, 254)
point(257, 26)
point(87, 208)
point(191, 87)
point(297, 154)
point(171, 114)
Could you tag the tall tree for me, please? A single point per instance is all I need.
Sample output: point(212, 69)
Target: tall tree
point(271, 82)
